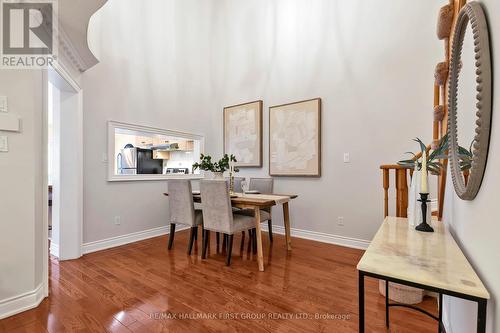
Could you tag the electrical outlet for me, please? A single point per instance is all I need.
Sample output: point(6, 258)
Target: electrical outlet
point(118, 220)
point(346, 158)
point(104, 158)
point(340, 220)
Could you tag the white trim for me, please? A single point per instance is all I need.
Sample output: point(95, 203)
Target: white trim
point(108, 243)
point(66, 76)
point(128, 178)
point(45, 184)
point(354, 243)
point(60, 69)
point(54, 249)
point(23, 302)
point(446, 322)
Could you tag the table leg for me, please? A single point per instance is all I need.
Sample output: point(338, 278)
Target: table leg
point(260, 255)
point(481, 316)
point(387, 303)
point(361, 301)
point(286, 218)
point(440, 304)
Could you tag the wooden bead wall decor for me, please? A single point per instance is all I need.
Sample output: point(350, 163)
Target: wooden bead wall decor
point(472, 13)
point(445, 21)
point(439, 113)
point(441, 73)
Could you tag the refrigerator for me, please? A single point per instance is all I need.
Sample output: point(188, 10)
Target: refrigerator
point(138, 161)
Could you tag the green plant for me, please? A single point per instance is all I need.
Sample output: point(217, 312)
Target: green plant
point(222, 165)
point(433, 164)
point(440, 153)
point(465, 157)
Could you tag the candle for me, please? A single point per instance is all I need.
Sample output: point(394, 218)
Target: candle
point(423, 185)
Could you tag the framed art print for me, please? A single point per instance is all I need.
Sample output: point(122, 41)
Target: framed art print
point(243, 133)
point(295, 139)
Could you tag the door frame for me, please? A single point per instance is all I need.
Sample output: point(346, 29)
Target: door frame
point(63, 74)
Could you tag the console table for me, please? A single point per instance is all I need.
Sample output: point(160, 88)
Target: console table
point(431, 261)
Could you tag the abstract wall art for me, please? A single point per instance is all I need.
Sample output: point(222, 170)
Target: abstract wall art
point(295, 139)
point(243, 133)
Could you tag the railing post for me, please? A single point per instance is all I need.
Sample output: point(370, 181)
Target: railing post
point(401, 193)
point(386, 191)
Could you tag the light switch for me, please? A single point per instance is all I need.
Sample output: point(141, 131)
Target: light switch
point(9, 122)
point(3, 104)
point(346, 158)
point(4, 144)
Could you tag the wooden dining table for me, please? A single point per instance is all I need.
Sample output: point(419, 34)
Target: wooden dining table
point(258, 202)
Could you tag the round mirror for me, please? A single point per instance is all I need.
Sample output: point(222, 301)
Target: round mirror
point(469, 101)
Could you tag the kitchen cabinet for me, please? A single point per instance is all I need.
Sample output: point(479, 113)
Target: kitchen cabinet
point(161, 155)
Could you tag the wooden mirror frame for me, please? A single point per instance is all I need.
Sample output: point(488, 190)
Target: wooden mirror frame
point(471, 13)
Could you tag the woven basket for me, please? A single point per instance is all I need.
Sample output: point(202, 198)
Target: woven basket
point(402, 294)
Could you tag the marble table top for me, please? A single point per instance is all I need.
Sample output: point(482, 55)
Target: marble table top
point(431, 259)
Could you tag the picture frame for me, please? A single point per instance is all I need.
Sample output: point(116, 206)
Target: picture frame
point(295, 139)
point(243, 133)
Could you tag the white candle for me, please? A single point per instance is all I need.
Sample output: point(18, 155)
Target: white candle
point(423, 185)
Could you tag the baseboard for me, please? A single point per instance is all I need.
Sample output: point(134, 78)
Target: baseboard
point(54, 249)
point(321, 237)
point(446, 320)
point(21, 303)
point(127, 239)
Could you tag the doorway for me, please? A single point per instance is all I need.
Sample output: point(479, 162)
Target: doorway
point(63, 157)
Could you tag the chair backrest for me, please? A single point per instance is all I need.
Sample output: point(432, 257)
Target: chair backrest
point(263, 185)
point(217, 211)
point(180, 201)
point(237, 183)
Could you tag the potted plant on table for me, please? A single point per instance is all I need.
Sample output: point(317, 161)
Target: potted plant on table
point(434, 166)
point(217, 168)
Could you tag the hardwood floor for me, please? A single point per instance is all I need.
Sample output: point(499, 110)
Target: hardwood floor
point(142, 287)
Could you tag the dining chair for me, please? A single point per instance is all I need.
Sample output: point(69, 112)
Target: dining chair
point(263, 186)
point(237, 183)
point(182, 211)
point(218, 215)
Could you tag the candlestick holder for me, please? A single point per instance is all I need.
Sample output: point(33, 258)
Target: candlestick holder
point(424, 227)
point(231, 183)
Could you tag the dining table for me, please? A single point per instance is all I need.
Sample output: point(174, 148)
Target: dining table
point(258, 201)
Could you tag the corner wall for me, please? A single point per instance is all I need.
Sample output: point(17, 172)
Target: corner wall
point(475, 224)
point(21, 178)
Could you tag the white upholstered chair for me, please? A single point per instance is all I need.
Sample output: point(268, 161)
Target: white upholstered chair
point(237, 183)
point(218, 214)
point(263, 186)
point(182, 211)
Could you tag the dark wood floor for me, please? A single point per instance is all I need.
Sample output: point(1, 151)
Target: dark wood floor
point(142, 287)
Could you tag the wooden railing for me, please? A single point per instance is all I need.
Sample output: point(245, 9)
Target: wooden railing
point(401, 184)
point(401, 176)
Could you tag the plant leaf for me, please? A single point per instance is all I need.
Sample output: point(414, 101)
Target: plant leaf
point(423, 147)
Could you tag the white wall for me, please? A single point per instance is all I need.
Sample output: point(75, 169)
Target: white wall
point(368, 62)
point(153, 71)
point(475, 223)
point(176, 64)
point(21, 239)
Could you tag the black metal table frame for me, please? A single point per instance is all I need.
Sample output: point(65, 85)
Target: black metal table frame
point(481, 302)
